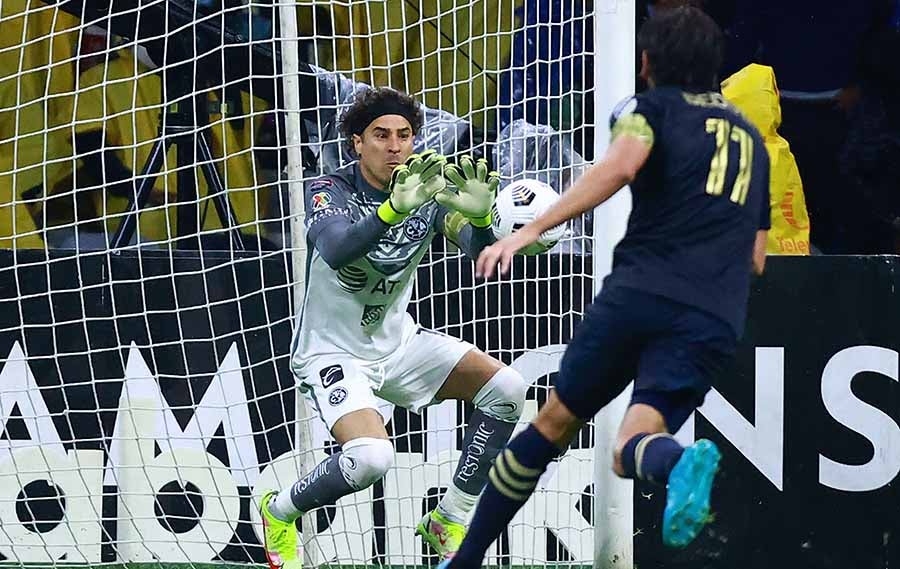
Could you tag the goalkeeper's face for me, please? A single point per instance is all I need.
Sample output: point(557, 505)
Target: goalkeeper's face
point(385, 144)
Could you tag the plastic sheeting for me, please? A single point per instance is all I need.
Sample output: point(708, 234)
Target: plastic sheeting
point(443, 131)
point(522, 150)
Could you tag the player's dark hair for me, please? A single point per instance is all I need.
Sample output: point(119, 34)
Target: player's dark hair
point(376, 102)
point(685, 49)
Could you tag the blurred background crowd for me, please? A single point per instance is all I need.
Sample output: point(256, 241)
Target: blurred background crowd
point(82, 109)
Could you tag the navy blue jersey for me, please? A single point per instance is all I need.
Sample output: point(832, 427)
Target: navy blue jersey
point(697, 203)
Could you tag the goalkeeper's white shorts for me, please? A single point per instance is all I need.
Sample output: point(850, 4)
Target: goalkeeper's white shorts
point(338, 383)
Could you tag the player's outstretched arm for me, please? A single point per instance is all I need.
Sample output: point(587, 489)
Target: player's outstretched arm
point(341, 241)
point(624, 158)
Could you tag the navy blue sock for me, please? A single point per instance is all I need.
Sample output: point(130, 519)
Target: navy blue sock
point(511, 482)
point(651, 457)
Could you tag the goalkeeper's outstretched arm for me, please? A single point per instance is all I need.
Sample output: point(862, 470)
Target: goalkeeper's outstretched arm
point(456, 227)
point(341, 241)
point(330, 230)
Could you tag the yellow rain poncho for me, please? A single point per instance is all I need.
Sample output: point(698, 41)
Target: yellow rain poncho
point(753, 90)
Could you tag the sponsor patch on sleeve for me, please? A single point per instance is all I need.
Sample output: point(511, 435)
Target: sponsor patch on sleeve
point(321, 200)
point(320, 183)
point(316, 216)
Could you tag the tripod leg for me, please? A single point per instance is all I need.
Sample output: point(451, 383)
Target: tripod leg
point(137, 202)
point(216, 190)
point(187, 217)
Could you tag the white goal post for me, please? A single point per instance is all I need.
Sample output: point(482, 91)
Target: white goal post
point(615, 36)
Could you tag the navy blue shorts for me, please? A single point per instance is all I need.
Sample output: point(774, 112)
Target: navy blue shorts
point(671, 350)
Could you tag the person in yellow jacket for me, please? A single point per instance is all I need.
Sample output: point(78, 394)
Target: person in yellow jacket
point(116, 126)
point(37, 79)
point(754, 92)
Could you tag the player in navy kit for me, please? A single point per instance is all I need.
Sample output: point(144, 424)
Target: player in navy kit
point(670, 313)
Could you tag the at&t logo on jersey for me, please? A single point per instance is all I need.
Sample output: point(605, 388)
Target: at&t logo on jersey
point(352, 279)
point(415, 228)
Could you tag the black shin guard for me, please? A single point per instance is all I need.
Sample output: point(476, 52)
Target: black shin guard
point(485, 438)
point(323, 486)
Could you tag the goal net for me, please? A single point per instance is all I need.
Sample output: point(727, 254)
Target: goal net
point(152, 158)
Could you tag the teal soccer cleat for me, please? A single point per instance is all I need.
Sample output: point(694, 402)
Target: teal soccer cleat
point(689, 488)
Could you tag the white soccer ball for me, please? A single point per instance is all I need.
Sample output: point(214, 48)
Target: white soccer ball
point(517, 204)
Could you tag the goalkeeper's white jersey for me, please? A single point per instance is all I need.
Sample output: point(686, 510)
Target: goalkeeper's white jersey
point(359, 309)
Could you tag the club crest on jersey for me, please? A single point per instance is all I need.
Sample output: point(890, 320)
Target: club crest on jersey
point(337, 396)
point(415, 228)
point(331, 375)
point(321, 200)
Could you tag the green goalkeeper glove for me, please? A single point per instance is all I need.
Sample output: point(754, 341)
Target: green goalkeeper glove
point(476, 190)
point(412, 185)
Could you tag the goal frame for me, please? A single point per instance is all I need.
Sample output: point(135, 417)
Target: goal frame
point(614, 35)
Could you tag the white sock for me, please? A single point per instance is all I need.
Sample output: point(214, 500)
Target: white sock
point(456, 504)
point(283, 508)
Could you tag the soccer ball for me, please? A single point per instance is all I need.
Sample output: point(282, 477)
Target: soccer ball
point(519, 203)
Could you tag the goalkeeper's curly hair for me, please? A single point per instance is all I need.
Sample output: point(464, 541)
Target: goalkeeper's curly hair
point(373, 103)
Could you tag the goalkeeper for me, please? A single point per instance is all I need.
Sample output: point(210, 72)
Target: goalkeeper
point(368, 226)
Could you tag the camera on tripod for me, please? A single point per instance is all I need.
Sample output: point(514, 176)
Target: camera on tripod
point(197, 53)
point(183, 122)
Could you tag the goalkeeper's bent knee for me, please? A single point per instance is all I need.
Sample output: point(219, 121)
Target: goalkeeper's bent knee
point(366, 460)
point(503, 396)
